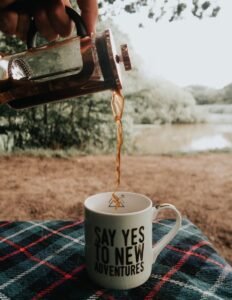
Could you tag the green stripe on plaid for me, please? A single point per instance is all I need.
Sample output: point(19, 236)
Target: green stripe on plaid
point(45, 260)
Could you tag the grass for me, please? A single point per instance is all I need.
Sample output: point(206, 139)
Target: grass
point(69, 153)
point(49, 153)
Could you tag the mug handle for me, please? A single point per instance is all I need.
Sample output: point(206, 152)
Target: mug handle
point(160, 245)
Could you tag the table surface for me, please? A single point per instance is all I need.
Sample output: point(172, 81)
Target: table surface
point(45, 260)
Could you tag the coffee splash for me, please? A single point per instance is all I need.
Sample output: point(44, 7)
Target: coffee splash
point(117, 104)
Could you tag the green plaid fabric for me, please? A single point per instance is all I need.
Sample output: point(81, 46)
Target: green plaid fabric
point(45, 260)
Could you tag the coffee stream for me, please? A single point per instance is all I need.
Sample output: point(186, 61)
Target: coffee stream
point(117, 104)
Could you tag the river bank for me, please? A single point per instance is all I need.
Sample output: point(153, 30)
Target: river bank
point(199, 185)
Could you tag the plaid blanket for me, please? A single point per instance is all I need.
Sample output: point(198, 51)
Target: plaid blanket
point(45, 260)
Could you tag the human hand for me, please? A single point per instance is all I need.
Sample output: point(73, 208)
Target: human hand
point(50, 18)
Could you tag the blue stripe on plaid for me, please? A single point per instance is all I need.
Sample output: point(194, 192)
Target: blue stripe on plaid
point(48, 269)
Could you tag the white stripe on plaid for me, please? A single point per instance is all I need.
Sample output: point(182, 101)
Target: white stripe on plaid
point(187, 286)
point(17, 233)
point(218, 282)
point(3, 297)
point(181, 229)
point(36, 266)
point(76, 240)
point(185, 226)
point(95, 296)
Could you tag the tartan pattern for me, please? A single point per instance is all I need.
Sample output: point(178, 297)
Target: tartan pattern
point(45, 260)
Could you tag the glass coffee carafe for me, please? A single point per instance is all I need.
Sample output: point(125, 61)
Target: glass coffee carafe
point(62, 69)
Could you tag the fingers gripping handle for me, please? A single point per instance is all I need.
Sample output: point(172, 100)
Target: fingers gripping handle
point(161, 244)
point(27, 6)
point(74, 16)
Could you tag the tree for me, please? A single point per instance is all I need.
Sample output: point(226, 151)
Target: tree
point(84, 123)
point(154, 9)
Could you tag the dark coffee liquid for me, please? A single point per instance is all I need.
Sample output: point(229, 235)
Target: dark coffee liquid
point(117, 104)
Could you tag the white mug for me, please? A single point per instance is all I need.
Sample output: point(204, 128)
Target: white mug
point(118, 240)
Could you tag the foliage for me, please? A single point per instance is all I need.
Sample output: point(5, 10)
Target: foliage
point(62, 125)
point(85, 123)
point(161, 103)
point(206, 95)
point(156, 10)
point(10, 44)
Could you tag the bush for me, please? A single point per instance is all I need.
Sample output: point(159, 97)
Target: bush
point(163, 103)
point(85, 123)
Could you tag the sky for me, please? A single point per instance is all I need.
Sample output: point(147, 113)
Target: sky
point(186, 52)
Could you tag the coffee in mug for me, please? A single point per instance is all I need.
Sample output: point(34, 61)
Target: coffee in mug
point(119, 251)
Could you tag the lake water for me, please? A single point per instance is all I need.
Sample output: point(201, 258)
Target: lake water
point(214, 135)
